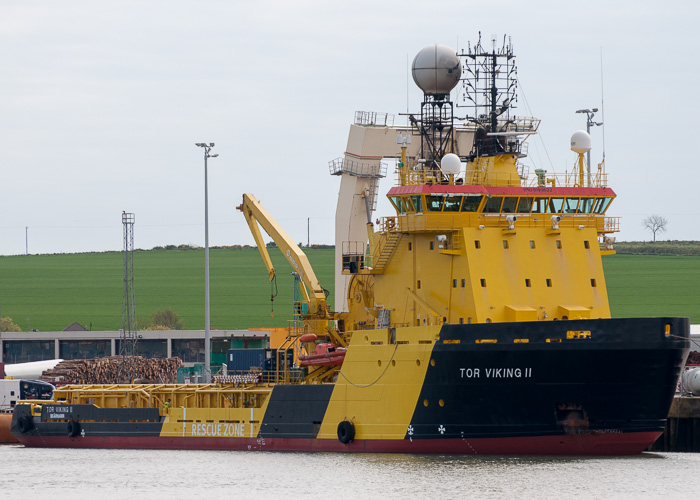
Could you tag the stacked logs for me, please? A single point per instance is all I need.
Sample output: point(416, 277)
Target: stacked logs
point(114, 370)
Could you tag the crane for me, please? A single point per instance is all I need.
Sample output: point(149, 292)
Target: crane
point(315, 311)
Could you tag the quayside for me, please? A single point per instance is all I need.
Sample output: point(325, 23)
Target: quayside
point(472, 320)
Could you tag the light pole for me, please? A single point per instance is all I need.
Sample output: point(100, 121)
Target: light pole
point(207, 340)
point(589, 122)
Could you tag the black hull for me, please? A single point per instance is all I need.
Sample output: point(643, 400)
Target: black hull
point(485, 391)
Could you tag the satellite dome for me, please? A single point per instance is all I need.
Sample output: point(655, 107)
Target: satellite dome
point(436, 69)
point(450, 164)
point(580, 142)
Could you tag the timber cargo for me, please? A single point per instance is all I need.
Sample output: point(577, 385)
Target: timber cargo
point(475, 320)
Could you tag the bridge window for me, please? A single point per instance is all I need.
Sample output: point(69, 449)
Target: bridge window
point(471, 202)
point(452, 203)
point(434, 202)
point(569, 206)
point(399, 203)
point(538, 207)
point(554, 205)
point(417, 203)
point(585, 206)
point(509, 205)
point(493, 206)
point(525, 205)
point(601, 205)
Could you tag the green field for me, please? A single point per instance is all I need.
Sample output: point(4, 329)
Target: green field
point(653, 285)
point(48, 292)
point(55, 290)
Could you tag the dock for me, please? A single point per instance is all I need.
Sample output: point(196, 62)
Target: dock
point(682, 432)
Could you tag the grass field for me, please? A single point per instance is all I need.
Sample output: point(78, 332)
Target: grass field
point(653, 285)
point(48, 292)
point(55, 290)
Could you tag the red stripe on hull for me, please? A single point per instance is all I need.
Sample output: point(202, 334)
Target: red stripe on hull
point(581, 444)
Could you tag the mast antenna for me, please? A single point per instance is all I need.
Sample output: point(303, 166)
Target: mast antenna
point(602, 100)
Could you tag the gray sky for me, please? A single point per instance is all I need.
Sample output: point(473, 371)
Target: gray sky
point(101, 104)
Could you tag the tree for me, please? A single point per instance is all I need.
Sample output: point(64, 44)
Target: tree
point(7, 325)
point(165, 318)
point(655, 224)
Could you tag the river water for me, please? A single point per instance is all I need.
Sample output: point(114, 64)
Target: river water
point(137, 474)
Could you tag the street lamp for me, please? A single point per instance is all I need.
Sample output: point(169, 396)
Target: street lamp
point(589, 123)
point(207, 341)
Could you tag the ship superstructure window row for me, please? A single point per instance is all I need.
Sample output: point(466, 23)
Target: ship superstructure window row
point(501, 204)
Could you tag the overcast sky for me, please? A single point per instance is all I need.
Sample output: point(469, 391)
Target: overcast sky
point(101, 104)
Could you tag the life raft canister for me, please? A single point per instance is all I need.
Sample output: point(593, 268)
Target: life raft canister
point(346, 432)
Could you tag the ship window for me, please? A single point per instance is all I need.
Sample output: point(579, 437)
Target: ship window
point(477, 244)
point(461, 321)
point(554, 205)
point(538, 207)
point(434, 203)
point(493, 206)
point(398, 202)
point(593, 283)
point(505, 244)
point(585, 206)
point(532, 243)
point(454, 283)
point(527, 282)
point(558, 243)
point(410, 246)
point(452, 203)
point(509, 205)
point(471, 202)
point(549, 282)
point(601, 204)
point(417, 203)
point(586, 245)
point(483, 282)
point(525, 205)
point(569, 206)
point(418, 284)
point(432, 245)
point(464, 282)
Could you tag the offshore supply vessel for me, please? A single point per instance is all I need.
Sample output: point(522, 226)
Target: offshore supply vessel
point(475, 320)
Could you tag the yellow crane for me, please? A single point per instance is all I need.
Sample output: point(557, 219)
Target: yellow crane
point(315, 312)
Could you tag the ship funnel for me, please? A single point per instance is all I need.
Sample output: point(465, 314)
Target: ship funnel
point(580, 142)
point(436, 69)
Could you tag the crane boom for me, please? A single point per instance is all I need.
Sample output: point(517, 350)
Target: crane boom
point(257, 216)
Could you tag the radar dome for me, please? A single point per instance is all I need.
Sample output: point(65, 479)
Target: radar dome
point(436, 69)
point(580, 142)
point(450, 164)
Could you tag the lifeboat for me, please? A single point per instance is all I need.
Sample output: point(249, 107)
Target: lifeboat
point(325, 354)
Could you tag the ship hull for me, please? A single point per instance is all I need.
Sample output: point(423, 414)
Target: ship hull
point(585, 444)
point(580, 387)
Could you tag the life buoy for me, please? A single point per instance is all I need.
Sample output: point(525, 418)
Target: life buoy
point(73, 428)
point(390, 223)
point(24, 424)
point(346, 432)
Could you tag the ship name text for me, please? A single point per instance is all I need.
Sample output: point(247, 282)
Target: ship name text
point(495, 372)
point(58, 412)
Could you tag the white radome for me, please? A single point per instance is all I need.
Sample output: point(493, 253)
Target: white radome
point(450, 164)
point(436, 69)
point(580, 142)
